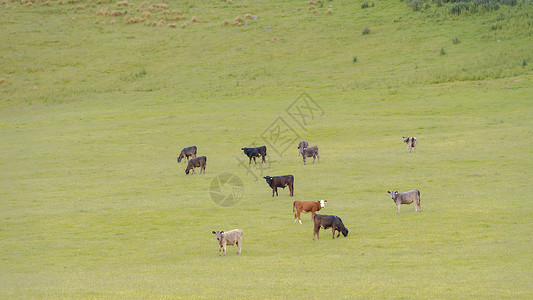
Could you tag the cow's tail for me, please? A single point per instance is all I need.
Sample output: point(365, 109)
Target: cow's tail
point(293, 203)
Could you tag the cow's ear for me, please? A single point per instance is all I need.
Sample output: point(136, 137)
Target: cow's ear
point(396, 192)
point(388, 192)
point(222, 232)
point(213, 232)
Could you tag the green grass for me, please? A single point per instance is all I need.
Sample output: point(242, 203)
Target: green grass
point(92, 117)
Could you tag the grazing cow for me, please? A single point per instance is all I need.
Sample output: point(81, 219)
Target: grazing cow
point(306, 206)
point(311, 152)
point(196, 162)
point(326, 222)
point(282, 182)
point(187, 152)
point(255, 152)
point(411, 142)
point(231, 237)
point(302, 145)
point(406, 198)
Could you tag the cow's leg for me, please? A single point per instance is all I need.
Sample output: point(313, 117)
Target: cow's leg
point(314, 157)
point(318, 157)
point(193, 170)
point(315, 232)
point(333, 230)
point(398, 204)
point(291, 188)
point(299, 212)
point(276, 189)
point(224, 249)
point(304, 158)
point(264, 161)
point(219, 250)
point(272, 192)
point(255, 161)
point(239, 247)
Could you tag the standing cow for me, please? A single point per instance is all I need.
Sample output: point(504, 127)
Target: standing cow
point(326, 222)
point(187, 152)
point(310, 152)
point(255, 152)
point(196, 162)
point(411, 142)
point(406, 198)
point(232, 237)
point(306, 206)
point(302, 145)
point(282, 182)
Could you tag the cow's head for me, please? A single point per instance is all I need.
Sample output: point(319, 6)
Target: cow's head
point(219, 235)
point(187, 171)
point(179, 158)
point(393, 194)
point(406, 139)
point(323, 203)
point(344, 232)
point(268, 179)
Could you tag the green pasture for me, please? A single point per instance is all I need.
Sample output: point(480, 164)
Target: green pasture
point(94, 110)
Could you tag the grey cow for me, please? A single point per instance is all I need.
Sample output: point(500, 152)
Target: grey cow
point(232, 237)
point(311, 152)
point(411, 142)
point(302, 145)
point(406, 198)
point(187, 152)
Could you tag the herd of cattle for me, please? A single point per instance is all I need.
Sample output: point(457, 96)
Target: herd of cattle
point(234, 237)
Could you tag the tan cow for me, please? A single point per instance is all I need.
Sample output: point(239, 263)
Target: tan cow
point(232, 237)
point(306, 206)
point(406, 198)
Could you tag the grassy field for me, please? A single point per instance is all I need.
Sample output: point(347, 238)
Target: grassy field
point(97, 99)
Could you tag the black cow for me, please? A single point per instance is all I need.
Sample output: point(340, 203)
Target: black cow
point(255, 152)
point(326, 221)
point(187, 152)
point(282, 182)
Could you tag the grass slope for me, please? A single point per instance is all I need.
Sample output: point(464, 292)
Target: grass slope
point(92, 116)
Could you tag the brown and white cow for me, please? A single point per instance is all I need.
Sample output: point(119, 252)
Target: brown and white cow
point(306, 206)
point(282, 182)
point(411, 142)
point(310, 152)
point(406, 198)
point(196, 162)
point(232, 237)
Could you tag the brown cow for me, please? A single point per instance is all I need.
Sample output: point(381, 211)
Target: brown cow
point(196, 162)
point(326, 222)
point(282, 182)
point(306, 206)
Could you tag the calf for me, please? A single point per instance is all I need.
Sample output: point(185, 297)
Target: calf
point(231, 237)
point(411, 142)
point(326, 222)
point(306, 206)
point(311, 152)
point(406, 198)
point(196, 162)
point(282, 182)
point(302, 145)
point(255, 152)
point(187, 152)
